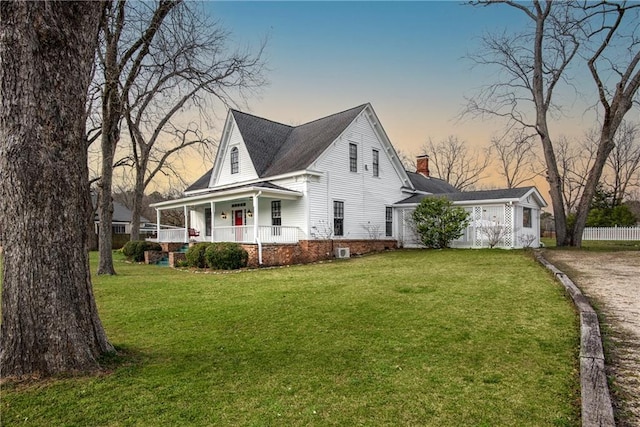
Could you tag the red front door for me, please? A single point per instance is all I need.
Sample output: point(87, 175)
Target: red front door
point(238, 221)
point(238, 218)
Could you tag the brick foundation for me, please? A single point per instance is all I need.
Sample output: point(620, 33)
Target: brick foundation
point(176, 257)
point(307, 251)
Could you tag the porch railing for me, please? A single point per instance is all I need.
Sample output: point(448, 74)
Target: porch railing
point(172, 235)
point(238, 234)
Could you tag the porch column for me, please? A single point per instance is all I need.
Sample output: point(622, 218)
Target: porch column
point(186, 224)
point(213, 216)
point(158, 224)
point(255, 218)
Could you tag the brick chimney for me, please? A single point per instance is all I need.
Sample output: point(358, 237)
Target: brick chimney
point(422, 165)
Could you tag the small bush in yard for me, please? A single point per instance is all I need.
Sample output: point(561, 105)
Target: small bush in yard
point(195, 255)
point(226, 256)
point(134, 250)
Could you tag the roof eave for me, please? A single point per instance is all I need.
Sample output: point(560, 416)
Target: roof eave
point(226, 195)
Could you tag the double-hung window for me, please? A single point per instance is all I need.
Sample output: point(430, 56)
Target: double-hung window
point(388, 221)
point(338, 218)
point(234, 160)
point(276, 217)
point(526, 217)
point(353, 157)
point(376, 163)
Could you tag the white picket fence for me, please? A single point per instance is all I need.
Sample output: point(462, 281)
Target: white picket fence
point(611, 233)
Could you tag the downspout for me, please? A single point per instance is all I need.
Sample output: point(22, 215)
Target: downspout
point(256, 235)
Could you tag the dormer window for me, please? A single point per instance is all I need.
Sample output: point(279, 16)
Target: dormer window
point(234, 160)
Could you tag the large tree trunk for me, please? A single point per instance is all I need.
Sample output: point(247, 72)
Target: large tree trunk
point(50, 323)
point(542, 102)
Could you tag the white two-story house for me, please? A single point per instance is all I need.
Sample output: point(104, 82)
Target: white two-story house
point(337, 178)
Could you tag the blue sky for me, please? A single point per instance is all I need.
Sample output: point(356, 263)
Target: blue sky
point(406, 58)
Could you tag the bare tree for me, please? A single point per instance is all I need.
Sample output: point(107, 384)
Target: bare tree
point(575, 159)
point(614, 64)
point(453, 161)
point(623, 165)
point(119, 67)
point(50, 323)
point(516, 158)
point(189, 62)
point(533, 63)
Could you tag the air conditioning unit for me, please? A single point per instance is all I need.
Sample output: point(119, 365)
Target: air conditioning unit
point(342, 253)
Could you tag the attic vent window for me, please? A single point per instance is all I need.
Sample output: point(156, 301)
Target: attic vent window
point(234, 160)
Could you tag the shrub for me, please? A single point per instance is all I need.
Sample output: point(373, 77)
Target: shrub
point(134, 250)
point(129, 248)
point(226, 256)
point(437, 222)
point(195, 254)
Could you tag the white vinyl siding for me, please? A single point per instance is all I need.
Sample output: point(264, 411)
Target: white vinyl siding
point(246, 171)
point(365, 196)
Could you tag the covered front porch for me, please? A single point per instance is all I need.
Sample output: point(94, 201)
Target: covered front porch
point(246, 214)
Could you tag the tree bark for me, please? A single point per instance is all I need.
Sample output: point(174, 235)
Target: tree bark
point(50, 322)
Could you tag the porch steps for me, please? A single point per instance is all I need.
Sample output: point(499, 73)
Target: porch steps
point(163, 262)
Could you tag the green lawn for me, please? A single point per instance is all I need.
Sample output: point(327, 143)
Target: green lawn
point(442, 338)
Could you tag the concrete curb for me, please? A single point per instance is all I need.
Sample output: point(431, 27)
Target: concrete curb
point(594, 391)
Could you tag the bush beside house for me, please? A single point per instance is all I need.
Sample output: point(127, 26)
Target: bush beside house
point(438, 222)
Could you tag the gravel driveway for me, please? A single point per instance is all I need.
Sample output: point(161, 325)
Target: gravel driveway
point(611, 280)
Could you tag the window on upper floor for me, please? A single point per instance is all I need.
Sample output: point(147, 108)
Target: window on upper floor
point(338, 218)
point(353, 157)
point(234, 160)
point(526, 217)
point(376, 163)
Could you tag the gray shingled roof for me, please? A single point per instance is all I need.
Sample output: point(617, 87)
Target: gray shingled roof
point(201, 183)
point(460, 196)
point(276, 148)
point(430, 184)
point(120, 212)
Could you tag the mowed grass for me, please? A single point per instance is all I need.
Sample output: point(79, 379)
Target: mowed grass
point(416, 338)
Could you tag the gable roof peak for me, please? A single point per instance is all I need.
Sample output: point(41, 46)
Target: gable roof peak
point(276, 148)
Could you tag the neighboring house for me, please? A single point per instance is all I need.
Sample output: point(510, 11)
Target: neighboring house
point(335, 179)
point(122, 216)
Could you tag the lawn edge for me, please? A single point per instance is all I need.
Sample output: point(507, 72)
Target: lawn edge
point(596, 406)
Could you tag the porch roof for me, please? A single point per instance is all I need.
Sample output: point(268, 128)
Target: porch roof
point(483, 196)
point(265, 188)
